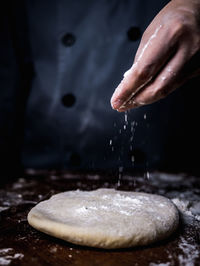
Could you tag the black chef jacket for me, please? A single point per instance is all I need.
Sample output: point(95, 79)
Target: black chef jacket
point(60, 63)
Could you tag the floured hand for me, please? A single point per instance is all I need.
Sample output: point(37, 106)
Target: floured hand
point(168, 55)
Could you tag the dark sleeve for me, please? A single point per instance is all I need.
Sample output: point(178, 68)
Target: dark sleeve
point(15, 69)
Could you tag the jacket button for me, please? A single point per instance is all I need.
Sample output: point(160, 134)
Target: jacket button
point(133, 34)
point(68, 39)
point(68, 100)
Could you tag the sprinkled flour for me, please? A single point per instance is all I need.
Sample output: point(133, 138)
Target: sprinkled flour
point(7, 255)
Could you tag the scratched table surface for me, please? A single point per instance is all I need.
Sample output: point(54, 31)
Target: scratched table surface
point(21, 244)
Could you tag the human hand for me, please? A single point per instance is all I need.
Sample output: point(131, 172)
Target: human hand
point(168, 55)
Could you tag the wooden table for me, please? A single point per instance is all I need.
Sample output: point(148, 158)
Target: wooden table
point(20, 244)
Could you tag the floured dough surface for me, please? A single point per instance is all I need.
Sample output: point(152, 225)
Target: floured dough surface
point(106, 218)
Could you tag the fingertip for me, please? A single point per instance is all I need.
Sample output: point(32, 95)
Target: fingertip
point(115, 103)
point(128, 106)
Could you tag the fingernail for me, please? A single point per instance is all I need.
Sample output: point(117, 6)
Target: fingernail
point(129, 105)
point(115, 103)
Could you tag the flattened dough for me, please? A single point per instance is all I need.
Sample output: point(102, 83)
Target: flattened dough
point(106, 218)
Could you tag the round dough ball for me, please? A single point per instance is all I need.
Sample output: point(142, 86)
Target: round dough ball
point(106, 218)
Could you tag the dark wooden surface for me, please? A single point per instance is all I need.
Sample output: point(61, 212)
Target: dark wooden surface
point(20, 244)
